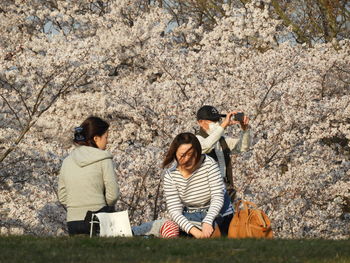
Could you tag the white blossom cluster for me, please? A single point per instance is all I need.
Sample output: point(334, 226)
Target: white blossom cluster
point(148, 79)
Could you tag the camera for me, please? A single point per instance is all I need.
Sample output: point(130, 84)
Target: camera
point(238, 116)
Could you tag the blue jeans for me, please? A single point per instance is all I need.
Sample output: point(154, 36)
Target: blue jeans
point(197, 216)
point(227, 206)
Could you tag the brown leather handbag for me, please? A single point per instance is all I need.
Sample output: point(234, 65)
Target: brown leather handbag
point(249, 222)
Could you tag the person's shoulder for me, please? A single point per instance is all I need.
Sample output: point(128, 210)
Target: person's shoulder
point(67, 164)
point(102, 154)
point(86, 155)
point(199, 136)
point(67, 159)
point(171, 170)
point(208, 160)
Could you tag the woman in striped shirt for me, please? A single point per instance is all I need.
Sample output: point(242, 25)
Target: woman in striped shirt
point(194, 190)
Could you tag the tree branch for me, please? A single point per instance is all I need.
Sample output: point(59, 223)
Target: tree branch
point(13, 111)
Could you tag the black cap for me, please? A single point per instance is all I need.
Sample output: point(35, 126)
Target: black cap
point(209, 113)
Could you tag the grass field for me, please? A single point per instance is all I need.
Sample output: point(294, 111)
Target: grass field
point(82, 249)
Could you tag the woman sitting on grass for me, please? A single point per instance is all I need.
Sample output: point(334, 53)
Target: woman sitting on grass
point(87, 180)
point(194, 190)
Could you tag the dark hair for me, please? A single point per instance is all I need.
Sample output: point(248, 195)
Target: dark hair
point(91, 127)
point(183, 138)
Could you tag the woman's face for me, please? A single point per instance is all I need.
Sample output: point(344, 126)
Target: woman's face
point(101, 141)
point(185, 156)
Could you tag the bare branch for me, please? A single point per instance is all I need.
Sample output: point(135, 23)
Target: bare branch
point(155, 210)
point(20, 95)
point(17, 141)
point(40, 94)
point(13, 111)
point(182, 87)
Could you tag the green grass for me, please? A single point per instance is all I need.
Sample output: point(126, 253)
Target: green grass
point(83, 249)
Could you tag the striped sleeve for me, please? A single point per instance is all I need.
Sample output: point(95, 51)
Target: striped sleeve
point(216, 187)
point(174, 204)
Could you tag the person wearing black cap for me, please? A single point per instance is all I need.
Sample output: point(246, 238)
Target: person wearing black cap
point(216, 145)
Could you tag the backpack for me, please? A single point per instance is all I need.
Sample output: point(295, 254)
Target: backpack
point(249, 222)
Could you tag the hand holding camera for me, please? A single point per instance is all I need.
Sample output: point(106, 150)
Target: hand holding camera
point(236, 117)
point(239, 116)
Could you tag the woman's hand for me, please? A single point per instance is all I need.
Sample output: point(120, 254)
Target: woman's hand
point(194, 231)
point(207, 230)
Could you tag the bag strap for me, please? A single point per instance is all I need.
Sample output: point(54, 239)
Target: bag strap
point(245, 205)
point(237, 209)
point(254, 206)
point(258, 214)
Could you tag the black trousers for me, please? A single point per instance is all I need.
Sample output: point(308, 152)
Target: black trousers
point(224, 223)
point(78, 228)
point(82, 227)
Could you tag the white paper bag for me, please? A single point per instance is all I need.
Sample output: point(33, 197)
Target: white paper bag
point(114, 224)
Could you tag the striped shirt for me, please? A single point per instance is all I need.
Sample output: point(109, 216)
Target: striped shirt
point(204, 189)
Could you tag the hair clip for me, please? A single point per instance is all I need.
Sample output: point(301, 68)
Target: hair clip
point(78, 129)
point(78, 136)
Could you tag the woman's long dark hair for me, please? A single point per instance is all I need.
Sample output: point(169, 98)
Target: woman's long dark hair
point(183, 138)
point(91, 127)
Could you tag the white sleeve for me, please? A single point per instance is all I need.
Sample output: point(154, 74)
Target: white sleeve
point(240, 144)
point(62, 193)
point(209, 142)
point(110, 182)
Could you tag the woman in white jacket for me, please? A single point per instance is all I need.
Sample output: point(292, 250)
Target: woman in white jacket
point(87, 180)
